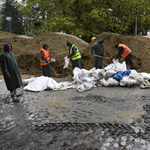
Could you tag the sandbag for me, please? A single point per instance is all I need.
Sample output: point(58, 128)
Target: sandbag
point(116, 66)
point(67, 60)
point(127, 81)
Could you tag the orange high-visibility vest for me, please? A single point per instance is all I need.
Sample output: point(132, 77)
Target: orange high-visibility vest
point(93, 38)
point(46, 55)
point(126, 50)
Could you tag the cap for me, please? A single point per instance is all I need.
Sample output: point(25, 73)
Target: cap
point(116, 45)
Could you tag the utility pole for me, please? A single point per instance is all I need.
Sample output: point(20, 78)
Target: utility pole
point(136, 22)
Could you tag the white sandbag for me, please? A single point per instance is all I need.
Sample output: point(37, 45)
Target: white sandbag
point(77, 80)
point(127, 81)
point(83, 76)
point(145, 75)
point(110, 73)
point(116, 66)
point(119, 66)
point(102, 82)
point(67, 60)
point(85, 86)
point(38, 84)
point(76, 71)
point(137, 76)
point(112, 82)
point(97, 73)
point(43, 83)
point(145, 84)
point(52, 84)
point(110, 67)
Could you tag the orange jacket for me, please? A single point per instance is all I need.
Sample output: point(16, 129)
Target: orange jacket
point(46, 55)
point(93, 38)
point(126, 50)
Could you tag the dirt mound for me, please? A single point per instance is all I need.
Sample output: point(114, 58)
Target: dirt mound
point(4, 35)
point(26, 50)
point(139, 45)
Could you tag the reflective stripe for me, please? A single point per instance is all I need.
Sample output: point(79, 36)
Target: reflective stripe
point(126, 50)
point(126, 53)
point(77, 54)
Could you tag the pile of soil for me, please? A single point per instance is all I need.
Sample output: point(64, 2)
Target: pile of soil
point(26, 50)
point(139, 45)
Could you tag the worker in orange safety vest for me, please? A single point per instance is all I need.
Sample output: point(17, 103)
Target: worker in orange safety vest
point(45, 60)
point(124, 52)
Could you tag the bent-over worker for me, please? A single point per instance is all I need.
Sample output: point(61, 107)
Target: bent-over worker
point(75, 55)
point(10, 70)
point(124, 52)
point(98, 49)
point(45, 60)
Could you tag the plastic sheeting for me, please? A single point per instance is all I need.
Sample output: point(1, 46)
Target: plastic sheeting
point(87, 79)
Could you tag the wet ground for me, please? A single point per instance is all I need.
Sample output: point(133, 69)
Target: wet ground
point(104, 118)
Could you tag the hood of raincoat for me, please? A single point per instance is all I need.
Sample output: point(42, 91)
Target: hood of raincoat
point(5, 46)
point(69, 43)
point(101, 41)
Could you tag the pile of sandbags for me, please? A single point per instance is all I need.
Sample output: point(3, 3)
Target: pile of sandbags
point(114, 74)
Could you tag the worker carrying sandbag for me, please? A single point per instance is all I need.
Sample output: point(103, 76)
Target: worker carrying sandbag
point(124, 52)
point(75, 55)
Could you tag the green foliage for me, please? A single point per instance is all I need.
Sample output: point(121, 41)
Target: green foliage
point(87, 17)
point(10, 10)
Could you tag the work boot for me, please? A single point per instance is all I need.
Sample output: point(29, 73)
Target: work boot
point(15, 99)
point(14, 96)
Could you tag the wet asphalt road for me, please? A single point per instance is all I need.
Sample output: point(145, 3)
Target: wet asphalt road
point(102, 118)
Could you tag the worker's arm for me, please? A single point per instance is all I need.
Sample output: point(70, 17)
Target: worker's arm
point(4, 66)
point(74, 49)
point(119, 53)
point(92, 49)
point(43, 58)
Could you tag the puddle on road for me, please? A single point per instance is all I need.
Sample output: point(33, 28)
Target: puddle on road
point(61, 109)
point(127, 116)
point(55, 107)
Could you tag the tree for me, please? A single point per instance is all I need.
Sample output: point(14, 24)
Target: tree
point(87, 17)
point(9, 9)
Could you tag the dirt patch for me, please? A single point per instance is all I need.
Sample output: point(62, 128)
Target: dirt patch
point(26, 50)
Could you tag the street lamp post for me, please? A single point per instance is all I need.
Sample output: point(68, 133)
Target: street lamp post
point(9, 20)
point(24, 24)
point(37, 24)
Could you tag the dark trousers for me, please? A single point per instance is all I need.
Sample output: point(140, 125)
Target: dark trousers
point(100, 67)
point(128, 59)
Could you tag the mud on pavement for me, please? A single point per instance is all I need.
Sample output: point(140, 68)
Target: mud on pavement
point(104, 118)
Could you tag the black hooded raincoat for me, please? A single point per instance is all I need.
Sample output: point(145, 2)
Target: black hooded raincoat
point(10, 68)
